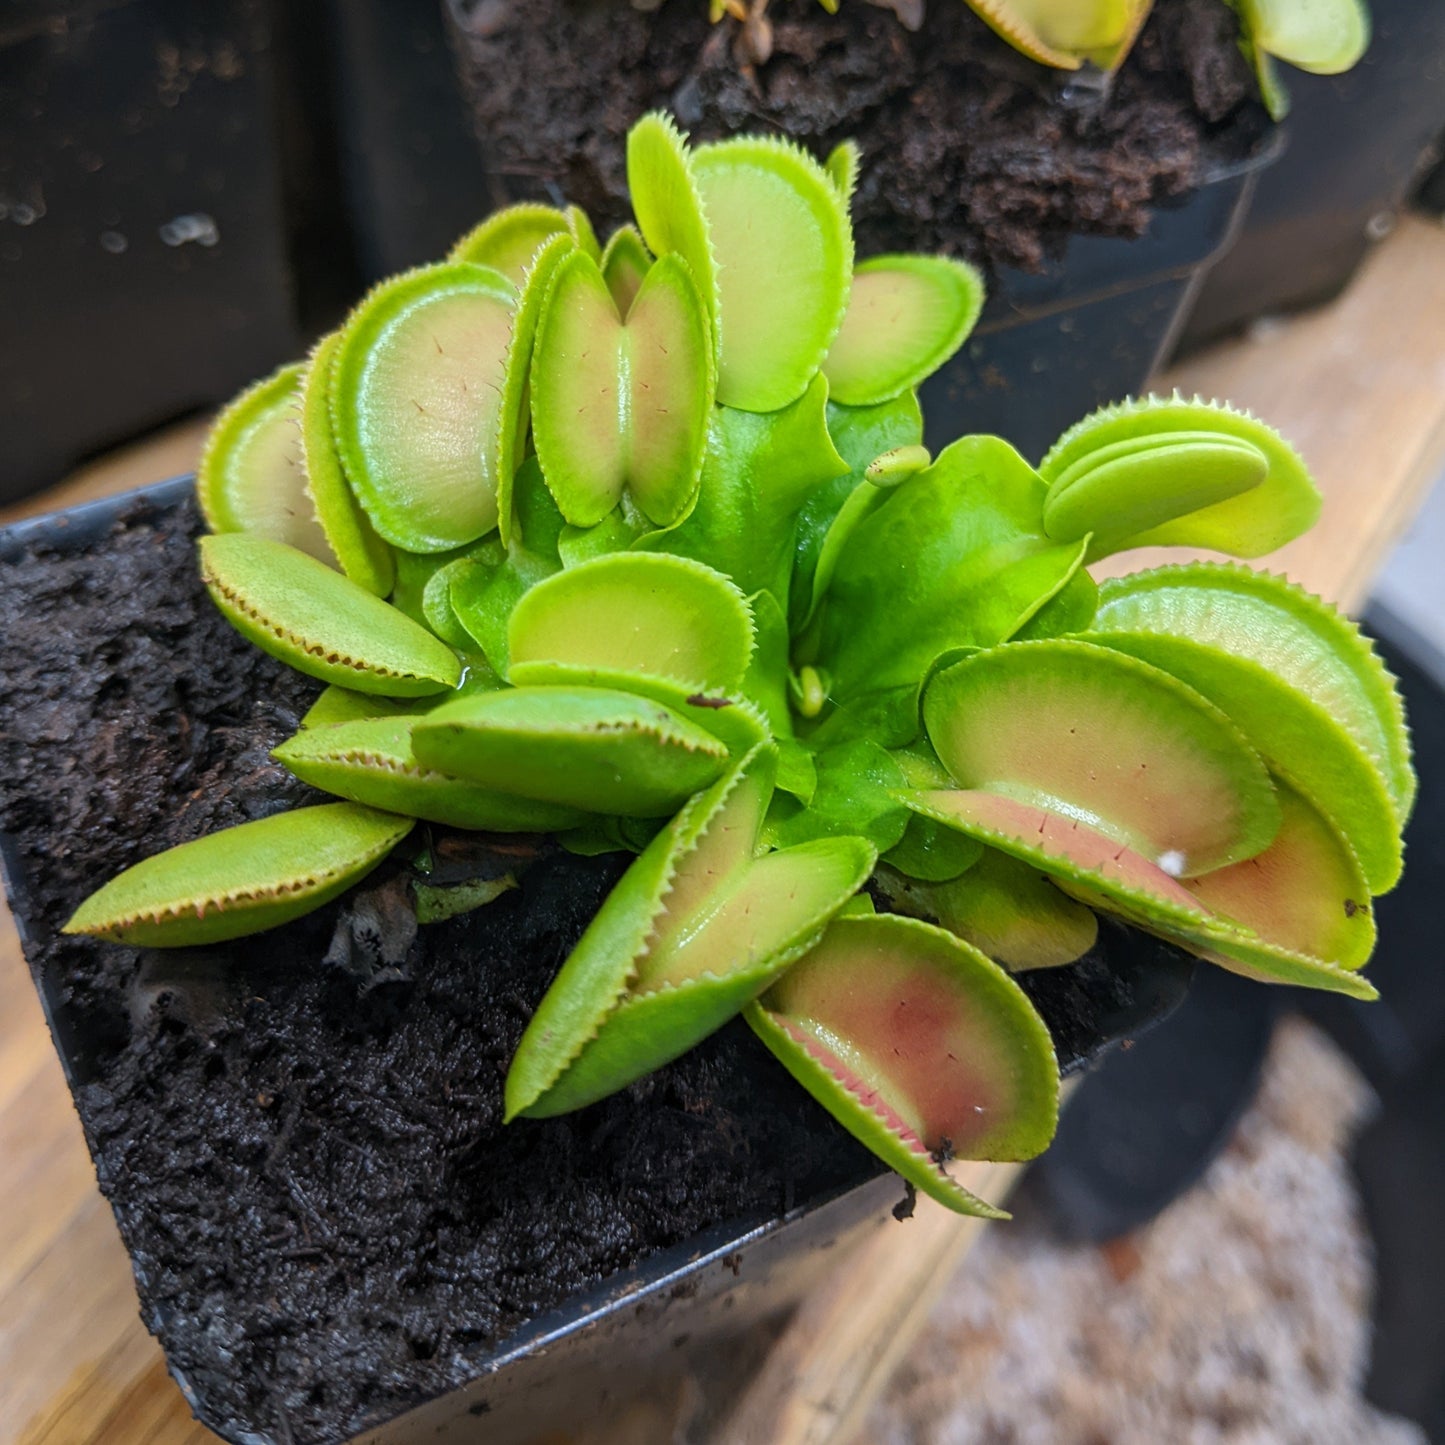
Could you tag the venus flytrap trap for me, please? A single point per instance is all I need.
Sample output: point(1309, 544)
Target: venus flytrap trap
point(848, 1023)
point(638, 545)
point(625, 399)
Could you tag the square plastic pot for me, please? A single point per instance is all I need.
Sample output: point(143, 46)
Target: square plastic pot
point(1093, 326)
point(714, 1296)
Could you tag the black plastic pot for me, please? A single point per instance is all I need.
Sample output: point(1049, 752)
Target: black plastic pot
point(1356, 143)
point(144, 267)
point(716, 1293)
point(412, 177)
point(1093, 326)
point(1090, 327)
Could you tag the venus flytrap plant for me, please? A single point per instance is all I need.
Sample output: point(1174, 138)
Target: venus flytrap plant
point(700, 925)
point(639, 546)
point(1006, 909)
point(1176, 473)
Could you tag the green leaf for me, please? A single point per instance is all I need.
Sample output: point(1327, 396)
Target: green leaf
point(621, 404)
point(1305, 892)
point(241, 880)
point(919, 1046)
point(784, 249)
point(539, 526)
point(1102, 872)
point(579, 225)
point(906, 316)
point(766, 684)
point(339, 704)
point(320, 622)
point(1272, 89)
point(1292, 733)
point(616, 532)
point(758, 473)
point(361, 554)
point(1004, 908)
point(954, 557)
point(1066, 847)
point(1131, 486)
point(371, 761)
point(856, 792)
point(861, 434)
point(635, 612)
point(797, 773)
point(484, 595)
point(437, 903)
point(1071, 609)
point(857, 508)
point(598, 749)
point(697, 927)
point(1094, 735)
point(416, 403)
point(1065, 33)
point(1139, 457)
point(728, 717)
point(929, 853)
point(251, 477)
point(423, 592)
point(842, 167)
point(509, 240)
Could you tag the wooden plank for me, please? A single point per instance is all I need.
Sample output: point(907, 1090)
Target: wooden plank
point(1359, 387)
point(44, 1185)
point(171, 452)
point(125, 1397)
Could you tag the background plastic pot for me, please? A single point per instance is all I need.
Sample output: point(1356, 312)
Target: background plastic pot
point(663, 1314)
point(144, 244)
point(1355, 144)
point(411, 176)
point(1092, 327)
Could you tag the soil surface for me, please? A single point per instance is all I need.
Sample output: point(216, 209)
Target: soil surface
point(301, 1133)
point(968, 148)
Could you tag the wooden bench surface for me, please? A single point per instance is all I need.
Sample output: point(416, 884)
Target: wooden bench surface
point(1359, 387)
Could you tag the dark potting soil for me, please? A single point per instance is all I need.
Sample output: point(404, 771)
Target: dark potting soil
point(968, 148)
point(306, 1158)
point(300, 1133)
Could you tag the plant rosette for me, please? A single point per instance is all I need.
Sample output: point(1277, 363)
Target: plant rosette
point(638, 545)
